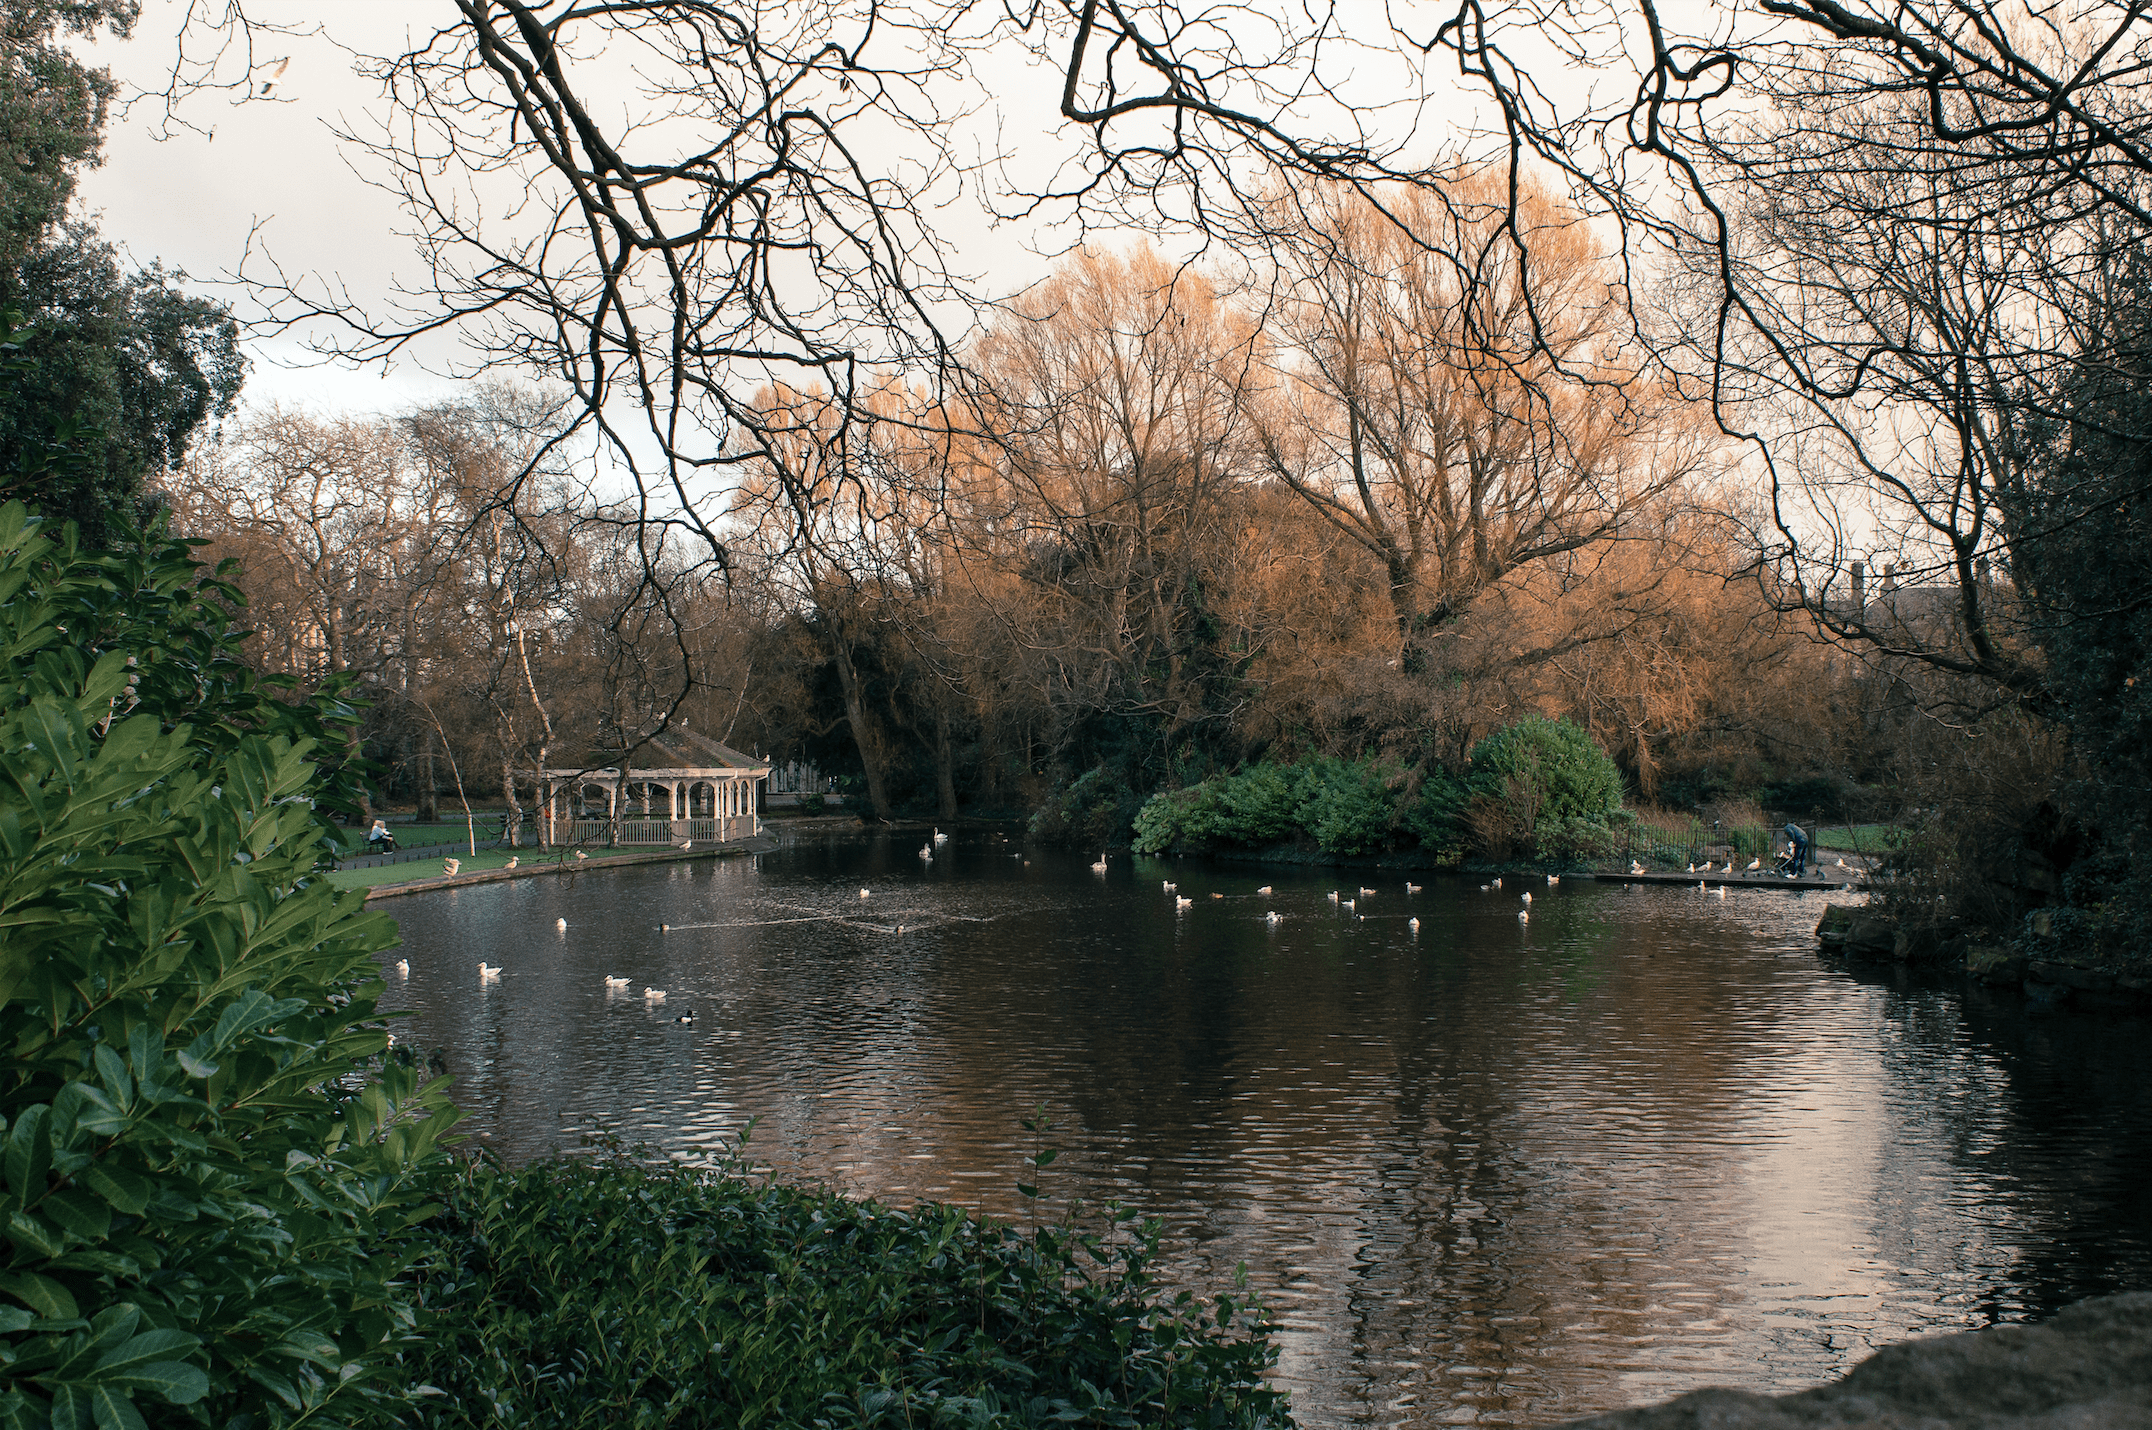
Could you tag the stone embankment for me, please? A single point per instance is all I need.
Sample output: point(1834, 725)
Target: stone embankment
point(2088, 1369)
point(1863, 935)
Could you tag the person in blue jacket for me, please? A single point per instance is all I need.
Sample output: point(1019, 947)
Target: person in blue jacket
point(1799, 837)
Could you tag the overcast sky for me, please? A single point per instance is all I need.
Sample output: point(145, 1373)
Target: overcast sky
point(191, 198)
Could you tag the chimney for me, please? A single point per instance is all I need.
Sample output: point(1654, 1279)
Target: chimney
point(1890, 577)
point(1860, 588)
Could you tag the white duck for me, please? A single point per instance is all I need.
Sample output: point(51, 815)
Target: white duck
point(486, 972)
point(655, 995)
point(1264, 890)
point(1180, 902)
point(612, 982)
point(403, 968)
point(1413, 924)
point(1411, 888)
point(1273, 917)
point(1524, 916)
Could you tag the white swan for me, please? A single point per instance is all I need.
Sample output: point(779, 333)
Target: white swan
point(1100, 866)
point(487, 973)
point(940, 838)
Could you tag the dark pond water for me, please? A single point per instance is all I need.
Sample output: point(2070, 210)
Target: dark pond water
point(1488, 1172)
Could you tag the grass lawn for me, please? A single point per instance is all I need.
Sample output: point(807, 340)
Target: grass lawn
point(413, 836)
point(1867, 838)
point(430, 868)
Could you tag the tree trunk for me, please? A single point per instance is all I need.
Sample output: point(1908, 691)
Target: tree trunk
point(513, 824)
point(429, 796)
point(863, 732)
point(944, 761)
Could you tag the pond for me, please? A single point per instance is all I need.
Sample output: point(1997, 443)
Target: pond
point(1484, 1171)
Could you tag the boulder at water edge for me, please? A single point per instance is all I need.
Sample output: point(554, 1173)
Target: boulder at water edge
point(2088, 1369)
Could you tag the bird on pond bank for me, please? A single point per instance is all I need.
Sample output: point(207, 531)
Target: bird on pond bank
point(580, 856)
point(486, 973)
point(450, 866)
point(1217, 896)
point(1485, 888)
point(1754, 864)
point(664, 928)
point(513, 860)
point(687, 844)
point(1720, 891)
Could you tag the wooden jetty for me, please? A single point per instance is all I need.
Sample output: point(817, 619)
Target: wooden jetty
point(1738, 879)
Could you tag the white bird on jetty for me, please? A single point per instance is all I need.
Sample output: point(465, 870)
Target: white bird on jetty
point(1635, 868)
point(687, 844)
point(1100, 866)
point(1182, 903)
point(1413, 924)
point(403, 968)
point(1526, 896)
point(560, 923)
point(1755, 863)
point(1703, 868)
point(655, 995)
point(612, 982)
point(486, 972)
point(1841, 863)
point(450, 866)
point(1411, 888)
point(1692, 869)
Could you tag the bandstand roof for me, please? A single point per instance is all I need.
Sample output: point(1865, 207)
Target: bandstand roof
point(676, 755)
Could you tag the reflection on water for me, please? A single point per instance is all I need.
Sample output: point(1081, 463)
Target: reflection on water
point(1484, 1173)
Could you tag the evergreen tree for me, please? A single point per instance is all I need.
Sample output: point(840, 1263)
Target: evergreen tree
point(109, 375)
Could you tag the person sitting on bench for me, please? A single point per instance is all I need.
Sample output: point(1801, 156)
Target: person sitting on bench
point(379, 839)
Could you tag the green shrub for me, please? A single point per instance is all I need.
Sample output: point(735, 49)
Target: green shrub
point(1568, 775)
point(613, 1293)
point(1263, 803)
point(203, 1197)
point(1093, 811)
point(1173, 817)
point(1439, 816)
point(1573, 840)
point(1348, 805)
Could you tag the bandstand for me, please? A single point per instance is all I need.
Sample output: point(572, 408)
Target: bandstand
point(678, 787)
